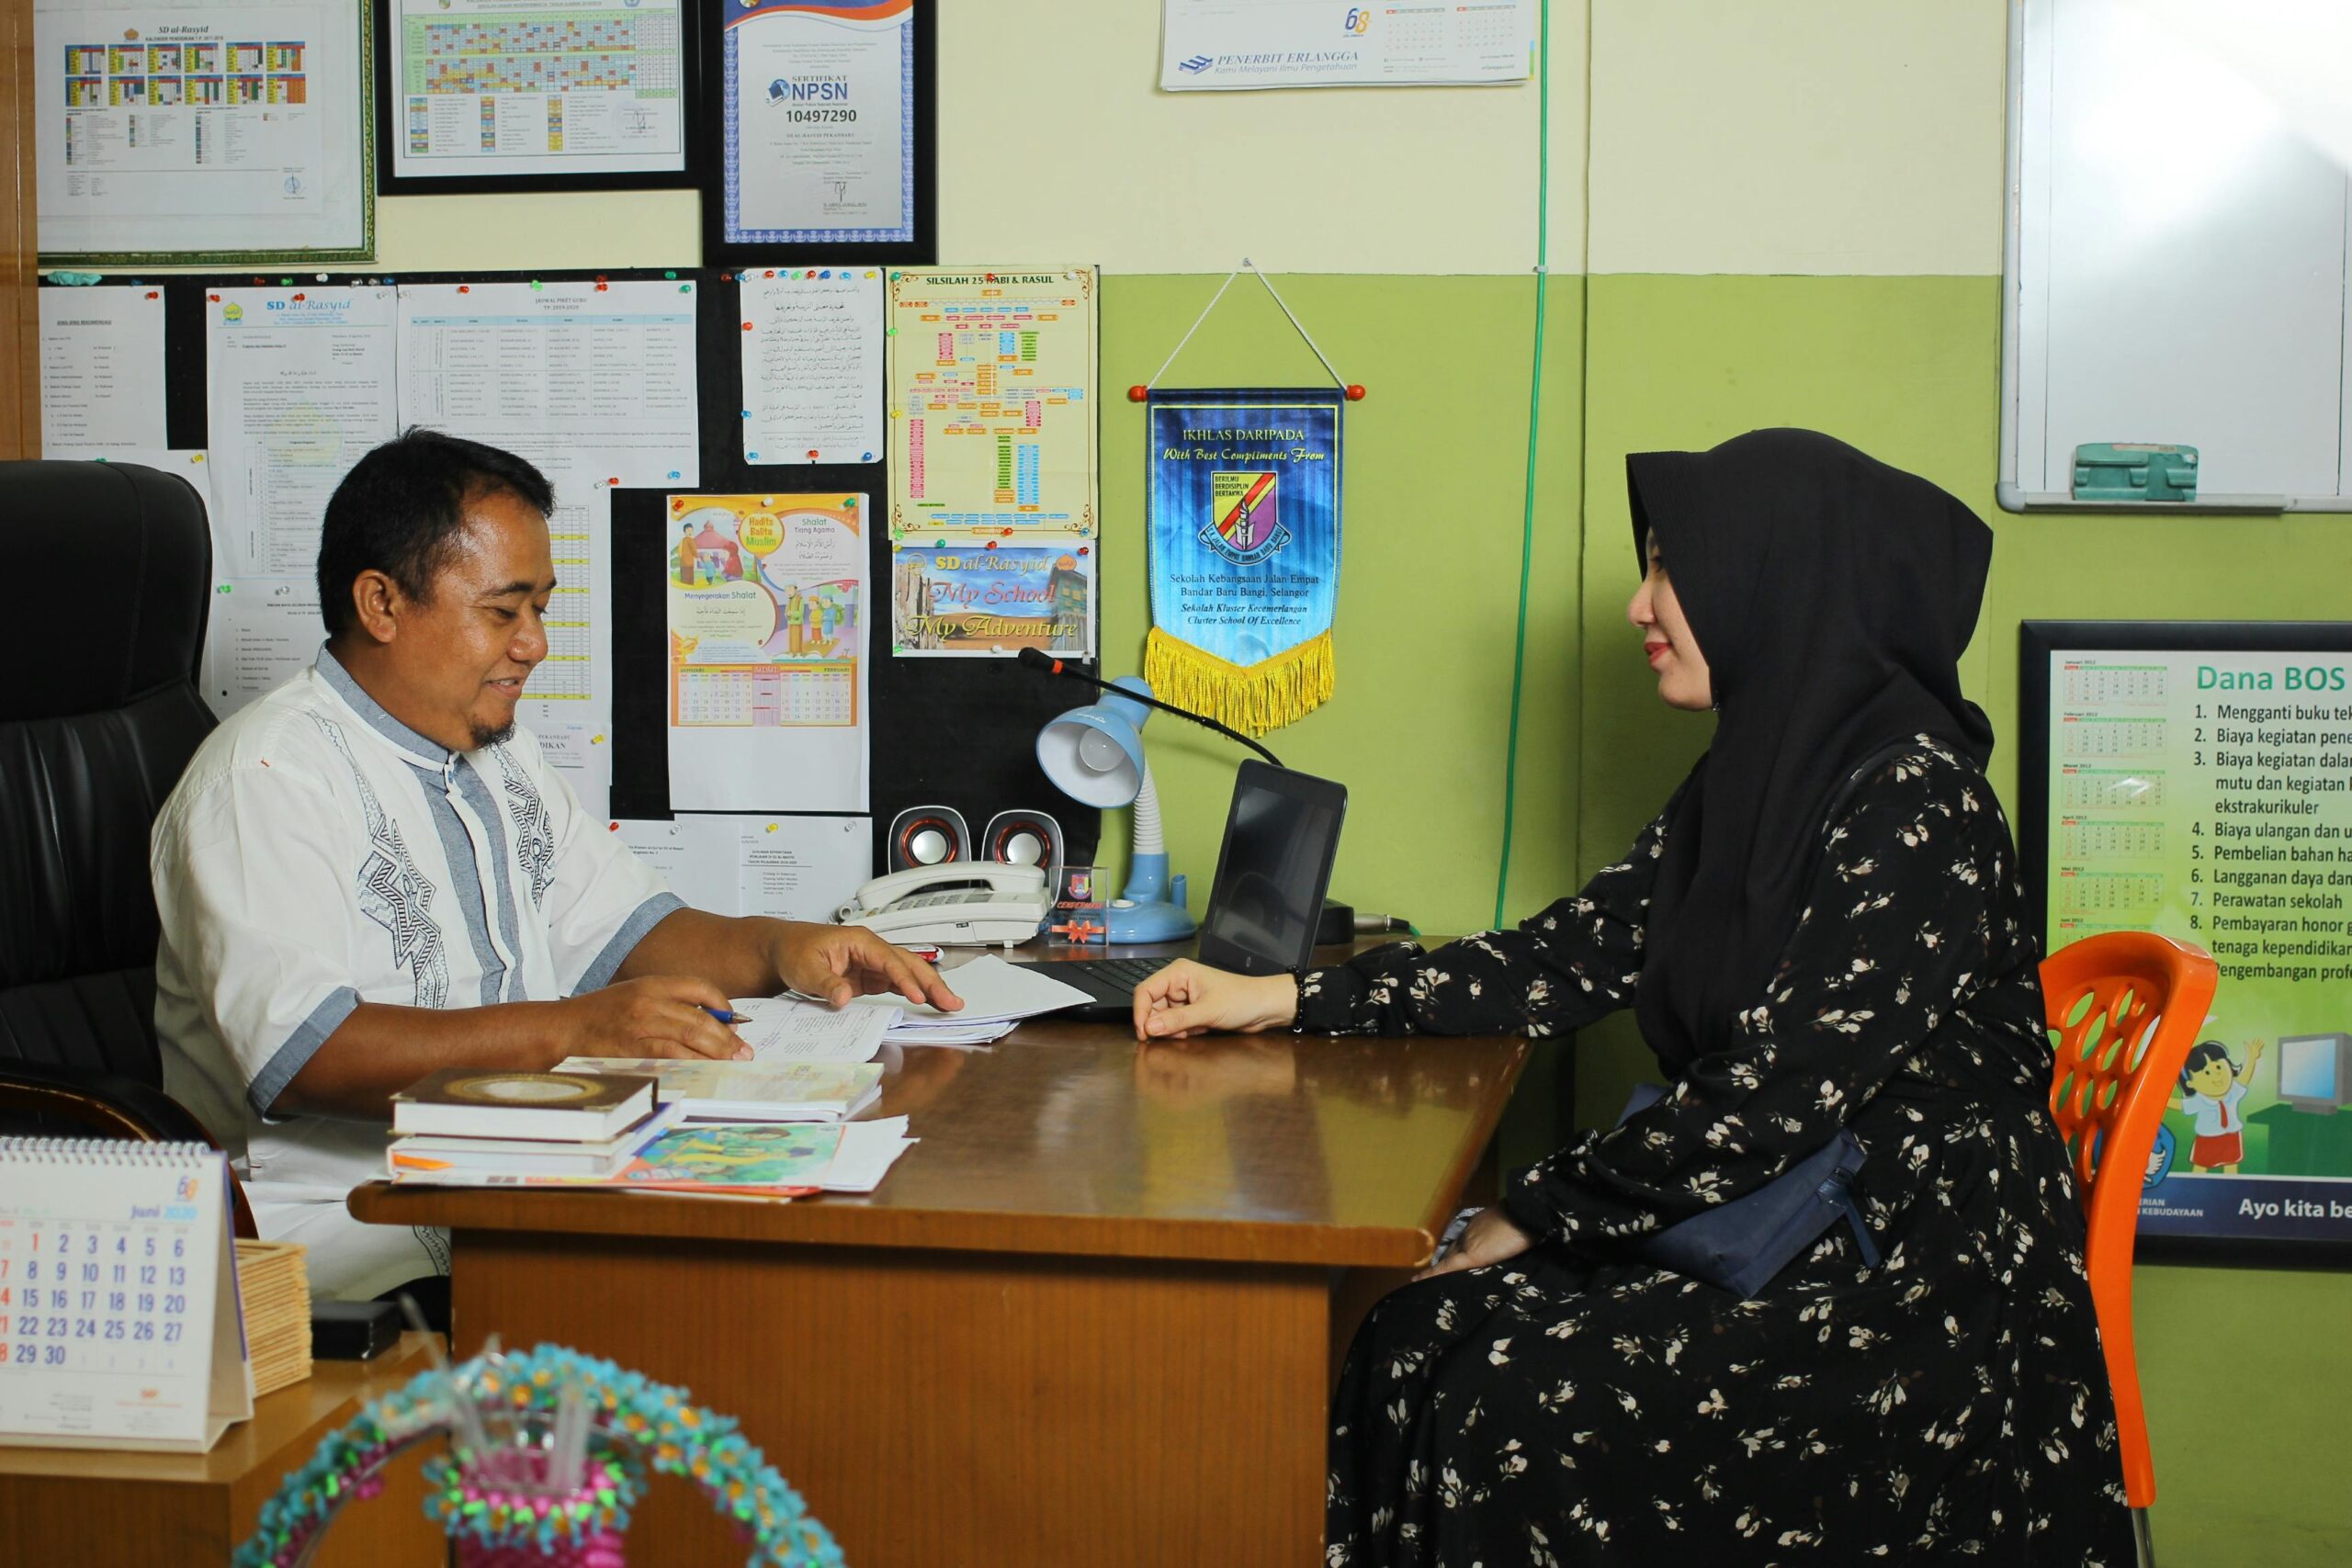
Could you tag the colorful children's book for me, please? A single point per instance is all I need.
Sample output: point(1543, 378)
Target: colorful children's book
point(770, 1160)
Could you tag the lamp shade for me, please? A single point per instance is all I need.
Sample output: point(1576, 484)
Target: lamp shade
point(1094, 754)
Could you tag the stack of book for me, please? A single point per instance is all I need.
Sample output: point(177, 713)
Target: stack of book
point(273, 1284)
point(464, 1127)
point(704, 1090)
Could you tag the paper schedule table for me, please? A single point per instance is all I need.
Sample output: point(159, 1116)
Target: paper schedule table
point(118, 1317)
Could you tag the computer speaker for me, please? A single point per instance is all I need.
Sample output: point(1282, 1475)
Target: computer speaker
point(1024, 838)
point(928, 835)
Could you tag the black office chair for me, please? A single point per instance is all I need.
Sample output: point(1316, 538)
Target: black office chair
point(106, 576)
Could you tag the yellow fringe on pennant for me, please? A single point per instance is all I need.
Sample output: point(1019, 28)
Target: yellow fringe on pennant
point(1250, 699)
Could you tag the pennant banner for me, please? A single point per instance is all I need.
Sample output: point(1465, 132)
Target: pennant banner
point(1245, 551)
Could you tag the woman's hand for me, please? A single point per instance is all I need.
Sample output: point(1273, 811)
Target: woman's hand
point(1188, 998)
point(1490, 1238)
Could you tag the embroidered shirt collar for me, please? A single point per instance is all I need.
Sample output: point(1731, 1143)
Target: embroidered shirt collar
point(424, 752)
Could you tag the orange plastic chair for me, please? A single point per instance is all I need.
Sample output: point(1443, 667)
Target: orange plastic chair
point(2127, 1006)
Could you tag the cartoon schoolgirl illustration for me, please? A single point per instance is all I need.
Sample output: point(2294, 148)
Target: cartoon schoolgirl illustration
point(2211, 1086)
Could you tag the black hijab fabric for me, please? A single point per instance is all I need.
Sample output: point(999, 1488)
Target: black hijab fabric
point(1831, 596)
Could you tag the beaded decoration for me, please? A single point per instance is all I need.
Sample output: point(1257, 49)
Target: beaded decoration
point(635, 1421)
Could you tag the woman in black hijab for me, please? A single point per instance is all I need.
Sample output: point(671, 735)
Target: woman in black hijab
point(1821, 930)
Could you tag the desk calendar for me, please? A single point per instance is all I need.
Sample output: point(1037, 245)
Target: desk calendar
point(120, 1325)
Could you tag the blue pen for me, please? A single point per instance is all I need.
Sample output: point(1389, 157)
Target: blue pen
point(723, 1016)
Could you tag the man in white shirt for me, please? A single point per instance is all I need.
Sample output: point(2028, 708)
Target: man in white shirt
point(372, 872)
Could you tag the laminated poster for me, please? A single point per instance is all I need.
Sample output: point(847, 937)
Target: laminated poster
point(767, 652)
point(2196, 781)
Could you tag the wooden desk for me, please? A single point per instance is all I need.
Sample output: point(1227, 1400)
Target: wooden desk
point(97, 1508)
point(1091, 1318)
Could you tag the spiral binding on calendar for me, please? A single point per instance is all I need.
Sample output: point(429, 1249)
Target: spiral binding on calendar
point(100, 1151)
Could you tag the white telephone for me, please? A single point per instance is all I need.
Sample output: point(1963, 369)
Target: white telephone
point(961, 903)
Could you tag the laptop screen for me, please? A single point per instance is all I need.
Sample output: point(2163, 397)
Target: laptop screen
point(1280, 839)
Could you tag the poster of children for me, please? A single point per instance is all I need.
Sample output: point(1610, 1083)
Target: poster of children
point(767, 652)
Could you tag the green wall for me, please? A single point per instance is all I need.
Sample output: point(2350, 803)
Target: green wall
point(2244, 1369)
point(1434, 492)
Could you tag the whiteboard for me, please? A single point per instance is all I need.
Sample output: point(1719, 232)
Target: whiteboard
point(2175, 269)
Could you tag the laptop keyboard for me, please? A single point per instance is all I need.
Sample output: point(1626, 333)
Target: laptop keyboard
point(1111, 978)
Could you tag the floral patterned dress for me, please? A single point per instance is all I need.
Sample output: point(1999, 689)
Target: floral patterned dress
point(1574, 1406)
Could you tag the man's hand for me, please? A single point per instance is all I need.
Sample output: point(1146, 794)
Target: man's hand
point(1188, 998)
point(1490, 1238)
point(665, 1015)
point(837, 963)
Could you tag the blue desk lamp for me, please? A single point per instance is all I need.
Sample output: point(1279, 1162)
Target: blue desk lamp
point(1094, 755)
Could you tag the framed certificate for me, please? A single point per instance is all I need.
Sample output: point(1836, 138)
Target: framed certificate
point(820, 130)
point(572, 95)
point(221, 131)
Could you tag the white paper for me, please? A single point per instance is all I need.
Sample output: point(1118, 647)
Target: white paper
point(102, 371)
point(200, 126)
point(818, 126)
point(951, 1037)
point(605, 371)
point(696, 856)
point(767, 661)
point(567, 703)
point(566, 88)
point(992, 990)
point(301, 385)
point(785, 1029)
point(263, 633)
point(802, 868)
point(793, 868)
point(1211, 45)
point(866, 1153)
point(812, 364)
point(594, 385)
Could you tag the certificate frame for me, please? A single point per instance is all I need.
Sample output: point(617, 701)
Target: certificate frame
point(724, 244)
point(389, 100)
point(359, 91)
point(2179, 1219)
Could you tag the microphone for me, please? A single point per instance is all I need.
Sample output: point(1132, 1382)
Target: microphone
point(1038, 658)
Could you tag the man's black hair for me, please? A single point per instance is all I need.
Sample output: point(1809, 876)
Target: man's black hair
point(400, 508)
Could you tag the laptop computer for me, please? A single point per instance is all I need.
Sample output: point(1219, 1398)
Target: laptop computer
point(1282, 834)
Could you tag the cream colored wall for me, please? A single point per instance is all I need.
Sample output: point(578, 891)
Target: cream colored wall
point(1836, 137)
point(1104, 167)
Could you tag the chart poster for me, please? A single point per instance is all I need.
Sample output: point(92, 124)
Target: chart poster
point(1237, 45)
point(767, 613)
point(992, 425)
point(209, 131)
point(818, 145)
point(496, 95)
point(977, 599)
point(2195, 780)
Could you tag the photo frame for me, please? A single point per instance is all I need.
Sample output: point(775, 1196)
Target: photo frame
point(790, 173)
point(471, 97)
point(305, 181)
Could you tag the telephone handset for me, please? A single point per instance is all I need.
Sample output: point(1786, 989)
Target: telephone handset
point(961, 903)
